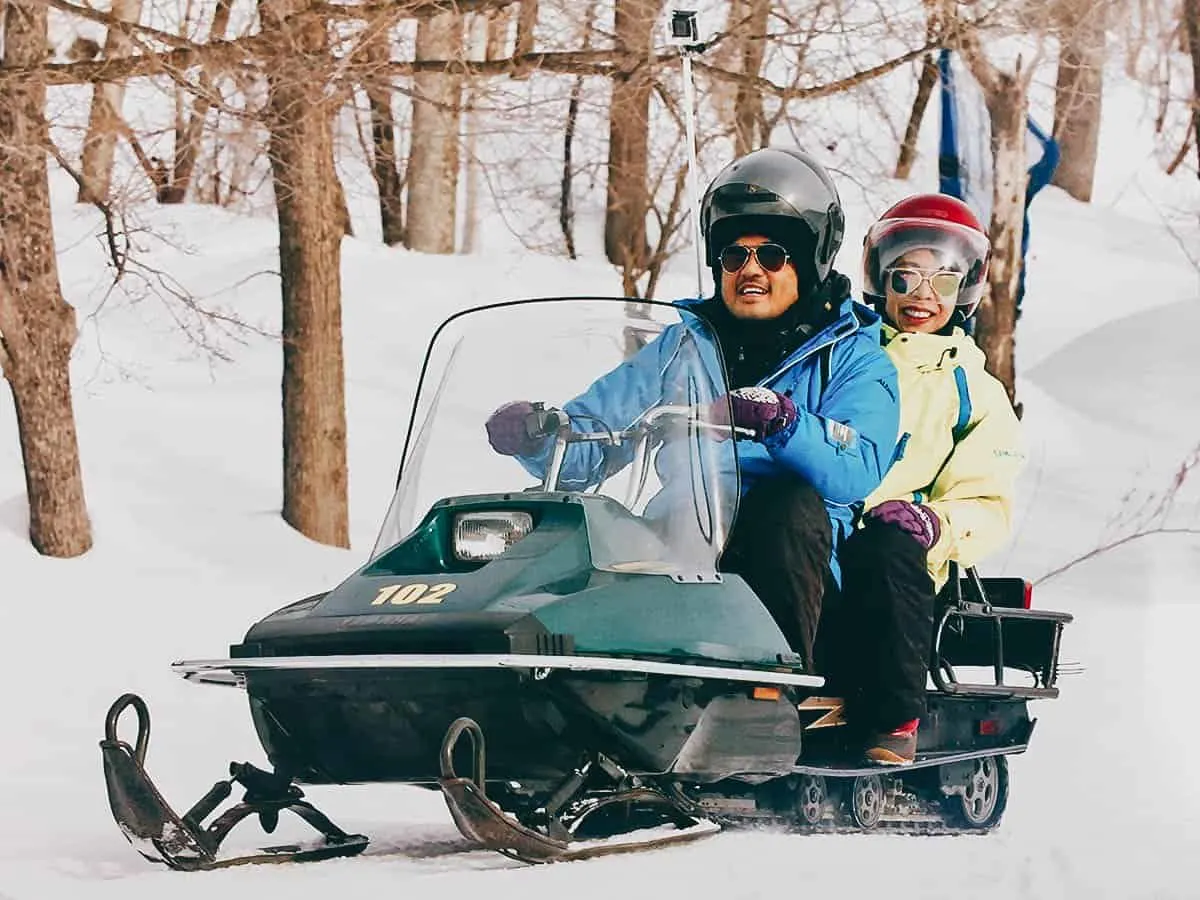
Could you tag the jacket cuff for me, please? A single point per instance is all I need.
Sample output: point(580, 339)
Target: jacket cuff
point(943, 547)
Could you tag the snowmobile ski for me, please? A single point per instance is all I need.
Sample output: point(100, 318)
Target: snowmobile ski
point(482, 821)
point(183, 842)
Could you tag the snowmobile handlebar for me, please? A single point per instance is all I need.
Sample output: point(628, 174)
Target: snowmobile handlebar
point(543, 422)
point(558, 424)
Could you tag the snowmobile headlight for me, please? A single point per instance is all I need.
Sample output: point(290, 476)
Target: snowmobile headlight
point(485, 535)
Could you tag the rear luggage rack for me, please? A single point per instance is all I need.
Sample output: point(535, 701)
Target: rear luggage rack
point(973, 630)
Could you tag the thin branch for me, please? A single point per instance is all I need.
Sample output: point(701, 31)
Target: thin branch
point(412, 9)
point(1111, 545)
point(251, 51)
point(131, 30)
point(791, 92)
point(118, 258)
point(1182, 154)
point(1171, 230)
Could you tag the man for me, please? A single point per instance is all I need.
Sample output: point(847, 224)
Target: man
point(812, 387)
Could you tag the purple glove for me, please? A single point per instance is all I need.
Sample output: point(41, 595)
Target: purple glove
point(756, 409)
point(919, 521)
point(508, 430)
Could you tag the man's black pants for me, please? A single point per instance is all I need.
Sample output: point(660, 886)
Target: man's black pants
point(883, 629)
point(781, 544)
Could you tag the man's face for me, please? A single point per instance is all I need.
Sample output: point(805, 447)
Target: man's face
point(753, 292)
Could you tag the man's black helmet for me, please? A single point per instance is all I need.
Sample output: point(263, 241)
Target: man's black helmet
point(785, 195)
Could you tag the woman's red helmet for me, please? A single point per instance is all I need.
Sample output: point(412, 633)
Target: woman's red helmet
point(936, 222)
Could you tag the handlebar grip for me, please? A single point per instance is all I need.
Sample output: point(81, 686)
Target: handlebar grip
point(544, 422)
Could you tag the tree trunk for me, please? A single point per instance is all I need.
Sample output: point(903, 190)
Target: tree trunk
point(383, 140)
point(497, 31)
point(566, 200)
point(628, 200)
point(1191, 25)
point(526, 22)
point(189, 127)
point(308, 201)
point(1077, 95)
point(997, 314)
point(748, 103)
point(433, 157)
point(566, 203)
point(100, 143)
point(477, 40)
point(37, 327)
point(908, 147)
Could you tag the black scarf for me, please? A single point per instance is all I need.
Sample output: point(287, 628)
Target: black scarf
point(754, 348)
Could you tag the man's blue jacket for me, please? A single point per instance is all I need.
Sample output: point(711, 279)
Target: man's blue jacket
point(842, 442)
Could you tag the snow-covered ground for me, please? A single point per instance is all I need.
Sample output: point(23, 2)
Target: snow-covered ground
point(182, 471)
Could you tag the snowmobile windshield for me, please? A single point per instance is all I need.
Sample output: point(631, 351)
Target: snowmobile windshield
point(624, 399)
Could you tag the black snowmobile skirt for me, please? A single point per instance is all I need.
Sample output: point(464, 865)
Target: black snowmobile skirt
point(387, 725)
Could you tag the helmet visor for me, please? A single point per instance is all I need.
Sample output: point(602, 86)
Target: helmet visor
point(953, 258)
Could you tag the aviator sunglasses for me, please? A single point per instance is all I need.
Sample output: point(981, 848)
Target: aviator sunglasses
point(945, 284)
point(772, 257)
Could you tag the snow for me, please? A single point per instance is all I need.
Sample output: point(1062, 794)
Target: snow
point(181, 465)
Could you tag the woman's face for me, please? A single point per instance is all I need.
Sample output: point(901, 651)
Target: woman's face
point(922, 309)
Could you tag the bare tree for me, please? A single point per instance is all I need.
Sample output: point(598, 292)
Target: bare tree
point(527, 17)
point(499, 19)
point(1157, 512)
point(628, 198)
point(433, 160)
point(926, 80)
point(310, 209)
point(744, 50)
point(477, 41)
point(100, 143)
point(189, 125)
point(1007, 97)
point(37, 327)
point(1078, 93)
point(566, 205)
point(1191, 26)
point(384, 163)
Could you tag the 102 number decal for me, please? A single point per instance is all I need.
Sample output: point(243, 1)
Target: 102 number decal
point(416, 592)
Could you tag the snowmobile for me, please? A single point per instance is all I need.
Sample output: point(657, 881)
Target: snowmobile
point(550, 643)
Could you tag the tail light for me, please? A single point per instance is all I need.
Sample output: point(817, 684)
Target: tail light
point(1028, 598)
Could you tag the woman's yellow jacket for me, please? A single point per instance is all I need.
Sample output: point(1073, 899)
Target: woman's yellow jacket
point(959, 451)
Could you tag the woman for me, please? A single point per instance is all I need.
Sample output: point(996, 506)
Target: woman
point(948, 495)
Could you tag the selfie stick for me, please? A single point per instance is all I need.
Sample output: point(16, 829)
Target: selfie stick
point(685, 33)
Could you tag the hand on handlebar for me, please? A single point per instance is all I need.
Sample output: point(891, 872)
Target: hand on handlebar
point(520, 428)
point(757, 412)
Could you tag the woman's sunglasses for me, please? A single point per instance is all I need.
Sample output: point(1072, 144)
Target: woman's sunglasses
point(945, 284)
point(772, 257)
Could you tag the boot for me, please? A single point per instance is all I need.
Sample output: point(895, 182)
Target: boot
point(897, 747)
